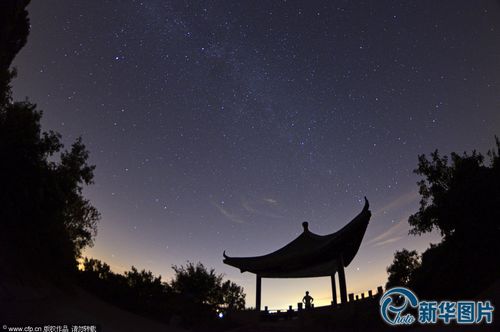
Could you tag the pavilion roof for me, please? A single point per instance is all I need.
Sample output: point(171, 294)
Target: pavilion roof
point(309, 255)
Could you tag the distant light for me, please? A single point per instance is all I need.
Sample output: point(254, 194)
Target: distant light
point(221, 315)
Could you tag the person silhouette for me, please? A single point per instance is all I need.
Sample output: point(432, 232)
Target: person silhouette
point(308, 300)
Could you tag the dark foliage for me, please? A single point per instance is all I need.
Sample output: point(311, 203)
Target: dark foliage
point(193, 297)
point(14, 30)
point(460, 199)
point(45, 219)
point(402, 268)
point(137, 291)
point(233, 297)
point(203, 286)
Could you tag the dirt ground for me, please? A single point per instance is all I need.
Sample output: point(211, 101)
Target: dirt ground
point(22, 305)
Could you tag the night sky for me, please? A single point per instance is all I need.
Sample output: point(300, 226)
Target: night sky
point(223, 125)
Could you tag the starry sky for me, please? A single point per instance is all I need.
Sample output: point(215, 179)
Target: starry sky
point(222, 125)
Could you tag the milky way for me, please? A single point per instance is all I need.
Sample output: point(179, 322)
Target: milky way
point(223, 125)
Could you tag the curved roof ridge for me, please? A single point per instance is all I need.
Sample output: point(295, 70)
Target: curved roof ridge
point(308, 251)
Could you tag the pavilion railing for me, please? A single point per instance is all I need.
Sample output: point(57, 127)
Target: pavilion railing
point(352, 297)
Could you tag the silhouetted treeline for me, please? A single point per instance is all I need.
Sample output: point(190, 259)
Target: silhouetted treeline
point(460, 198)
point(45, 220)
point(14, 30)
point(193, 298)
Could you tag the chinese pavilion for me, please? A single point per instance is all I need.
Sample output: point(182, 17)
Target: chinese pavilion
point(309, 255)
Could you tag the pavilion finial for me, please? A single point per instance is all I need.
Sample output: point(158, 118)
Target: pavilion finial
point(367, 204)
point(305, 224)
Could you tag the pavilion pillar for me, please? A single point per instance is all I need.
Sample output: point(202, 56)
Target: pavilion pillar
point(334, 291)
point(258, 291)
point(342, 285)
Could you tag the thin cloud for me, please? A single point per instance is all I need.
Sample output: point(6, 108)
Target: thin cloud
point(392, 234)
point(231, 216)
point(391, 240)
point(271, 201)
point(403, 200)
point(246, 205)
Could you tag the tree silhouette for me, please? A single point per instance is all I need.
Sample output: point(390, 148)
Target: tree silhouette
point(402, 268)
point(95, 266)
point(460, 197)
point(145, 283)
point(45, 219)
point(203, 286)
point(14, 30)
point(193, 296)
point(233, 297)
